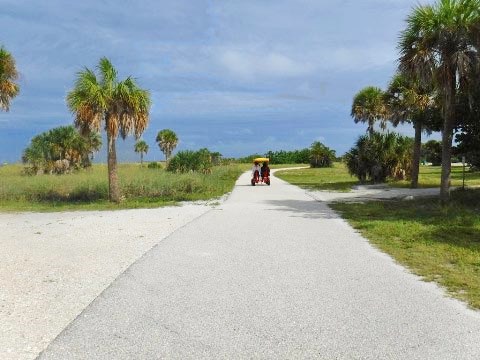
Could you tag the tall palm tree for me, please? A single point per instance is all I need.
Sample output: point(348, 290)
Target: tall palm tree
point(8, 75)
point(141, 147)
point(369, 107)
point(167, 141)
point(122, 106)
point(440, 46)
point(410, 102)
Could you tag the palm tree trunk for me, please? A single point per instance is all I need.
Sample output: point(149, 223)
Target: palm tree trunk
point(447, 138)
point(141, 159)
point(113, 188)
point(417, 146)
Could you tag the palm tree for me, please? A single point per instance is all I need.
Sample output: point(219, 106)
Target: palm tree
point(141, 147)
point(408, 101)
point(8, 74)
point(167, 141)
point(121, 105)
point(369, 106)
point(439, 46)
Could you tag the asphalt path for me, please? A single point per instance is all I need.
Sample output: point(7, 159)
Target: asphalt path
point(269, 274)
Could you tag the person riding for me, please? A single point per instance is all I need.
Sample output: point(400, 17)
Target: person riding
point(265, 170)
point(256, 167)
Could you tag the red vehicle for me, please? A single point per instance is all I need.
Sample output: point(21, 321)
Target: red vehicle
point(261, 176)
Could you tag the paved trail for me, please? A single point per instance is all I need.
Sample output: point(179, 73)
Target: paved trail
point(271, 273)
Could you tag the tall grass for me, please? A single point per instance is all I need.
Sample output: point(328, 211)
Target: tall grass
point(140, 186)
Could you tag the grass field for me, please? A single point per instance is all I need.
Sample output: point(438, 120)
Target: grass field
point(430, 177)
point(439, 244)
point(335, 178)
point(88, 189)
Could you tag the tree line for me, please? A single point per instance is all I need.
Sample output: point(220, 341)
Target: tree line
point(318, 155)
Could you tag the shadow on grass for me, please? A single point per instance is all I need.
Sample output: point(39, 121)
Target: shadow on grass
point(81, 195)
point(334, 186)
point(305, 209)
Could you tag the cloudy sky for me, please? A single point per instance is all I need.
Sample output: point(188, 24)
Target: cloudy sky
point(236, 76)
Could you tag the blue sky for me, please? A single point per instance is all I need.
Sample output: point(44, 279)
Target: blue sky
point(236, 76)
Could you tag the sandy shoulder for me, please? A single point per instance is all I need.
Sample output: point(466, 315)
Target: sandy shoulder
point(52, 265)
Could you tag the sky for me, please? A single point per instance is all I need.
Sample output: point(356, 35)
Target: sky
point(236, 76)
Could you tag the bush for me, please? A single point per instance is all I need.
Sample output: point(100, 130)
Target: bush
point(377, 157)
point(188, 160)
point(60, 150)
point(154, 165)
point(432, 152)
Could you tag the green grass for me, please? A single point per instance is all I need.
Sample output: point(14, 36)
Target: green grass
point(338, 178)
point(430, 177)
point(335, 178)
point(439, 244)
point(88, 189)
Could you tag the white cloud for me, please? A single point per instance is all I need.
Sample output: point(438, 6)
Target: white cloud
point(270, 64)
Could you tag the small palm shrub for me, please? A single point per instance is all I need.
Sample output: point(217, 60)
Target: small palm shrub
point(379, 156)
point(60, 150)
point(184, 161)
point(191, 161)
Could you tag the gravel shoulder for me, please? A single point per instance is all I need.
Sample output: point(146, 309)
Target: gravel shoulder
point(52, 265)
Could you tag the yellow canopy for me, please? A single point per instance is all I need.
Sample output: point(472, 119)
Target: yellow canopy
point(261, 160)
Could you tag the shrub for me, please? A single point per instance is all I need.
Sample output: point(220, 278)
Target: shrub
point(377, 157)
point(432, 152)
point(60, 150)
point(188, 160)
point(154, 165)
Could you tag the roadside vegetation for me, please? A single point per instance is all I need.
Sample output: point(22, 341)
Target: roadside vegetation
point(141, 187)
point(440, 244)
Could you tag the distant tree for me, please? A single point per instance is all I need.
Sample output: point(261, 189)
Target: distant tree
point(369, 107)
point(122, 105)
point(94, 143)
point(321, 155)
point(167, 141)
point(8, 76)
point(248, 159)
point(432, 152)
point(141, 147)
point(216, 157)
point(289, 157)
